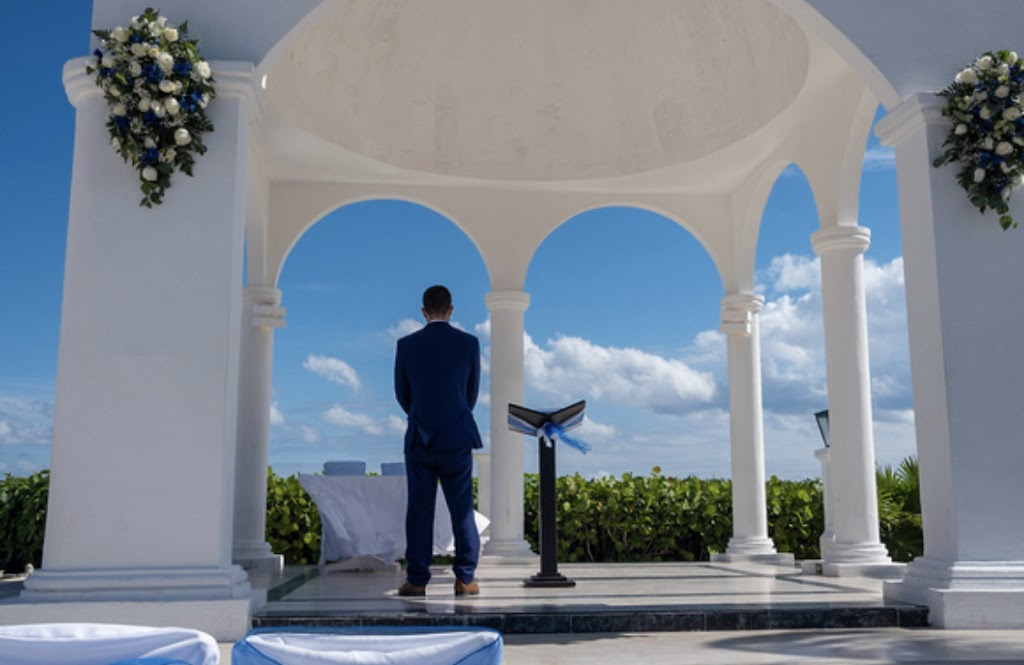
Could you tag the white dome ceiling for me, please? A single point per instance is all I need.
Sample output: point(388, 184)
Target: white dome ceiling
point(540, 89)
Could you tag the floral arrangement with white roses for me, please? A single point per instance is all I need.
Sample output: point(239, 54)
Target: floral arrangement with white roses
point(986, 104)
point(157, 87)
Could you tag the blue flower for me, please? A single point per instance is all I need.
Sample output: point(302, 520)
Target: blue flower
point(150, 157)
point(106, 71)
point(98, 53)
point(134, 38)
point(190, 102)
point(152, 73)
point(150, 118)
point(183, 68)
point(122, 123)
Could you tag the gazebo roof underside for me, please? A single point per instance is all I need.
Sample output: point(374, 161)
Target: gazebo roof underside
point(647, 95)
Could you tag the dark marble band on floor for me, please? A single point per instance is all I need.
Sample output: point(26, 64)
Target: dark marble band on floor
point(683, 619)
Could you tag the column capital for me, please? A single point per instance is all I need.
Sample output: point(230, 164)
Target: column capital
point(507, 300)
point(738, 312)
point(78, 85)
point(237, 78)
point(263, 306)
point(840, 238)
point(923, 108)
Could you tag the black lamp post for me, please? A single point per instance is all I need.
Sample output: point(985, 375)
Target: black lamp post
point(822, 418)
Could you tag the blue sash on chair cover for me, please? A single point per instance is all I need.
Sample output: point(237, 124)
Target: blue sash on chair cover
point(369, 645)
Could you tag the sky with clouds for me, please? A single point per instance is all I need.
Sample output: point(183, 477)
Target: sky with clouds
point(624, 313)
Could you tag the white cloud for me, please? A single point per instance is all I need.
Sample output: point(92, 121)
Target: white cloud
point(276, 417)
point(572, 367)
point(334, 370)
point(403, 328)
point(594, 432)
point(5, 431)
point(879, 158)
point(25, 421)
point(310, 435)
point(342, 417)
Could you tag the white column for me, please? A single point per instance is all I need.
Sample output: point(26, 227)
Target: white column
point(740, 314)
point(483, 482)
point(139, 523)
point(506, 308)
point(965, 314)
point(261, 314)
point(852, 451)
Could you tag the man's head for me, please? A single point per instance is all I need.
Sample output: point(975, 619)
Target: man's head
point(437, 303)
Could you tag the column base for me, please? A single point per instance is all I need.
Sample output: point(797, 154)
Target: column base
point(836, 552)
point(226, 620)
point(137, 584)
point(963, 594)
point(258, 558)
point(506, 552)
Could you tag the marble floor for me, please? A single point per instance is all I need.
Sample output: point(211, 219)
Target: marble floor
point(747, 609)
point(607, 598)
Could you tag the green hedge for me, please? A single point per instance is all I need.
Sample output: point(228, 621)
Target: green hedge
point(23, 520)
point(630, 518)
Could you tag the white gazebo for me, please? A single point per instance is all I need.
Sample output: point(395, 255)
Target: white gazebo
point(509, 118)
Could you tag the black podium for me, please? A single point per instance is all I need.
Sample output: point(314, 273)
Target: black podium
point(548, 575)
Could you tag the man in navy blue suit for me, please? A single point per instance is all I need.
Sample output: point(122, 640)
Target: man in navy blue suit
point(437, 378)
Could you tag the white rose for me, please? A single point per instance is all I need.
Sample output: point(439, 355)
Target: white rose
point(107, 61)
point(203, 100)
point(1003, 69)
point(161, 21)
point(171, 34)
point(1012, 58)
point(120, 110)
point(181, 136)
point(135, 68)
point(1011, 113)
point(979, 175)
point(138, 49)
point(172, 105)
point(116, 143)
point(154, 52)
point(169, 155)
point(119, 34)
point(985, 113)
point(203, 69)
point(166, 61)
point(960, 130)
point(967, 76)
point(154, 29)
point(135, 22)
point(149, 173)
point(1019, 180)
point(1004, 167)
point(984, 62)
point(167, 86)
point(1002, 92)
point(1004, 148)
point(987, 144)
point(143, 104)
point(148, 143)
point(158, 109)
point(115, 91)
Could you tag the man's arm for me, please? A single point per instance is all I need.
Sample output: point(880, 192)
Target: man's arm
point(473, 387)
point(402, 392)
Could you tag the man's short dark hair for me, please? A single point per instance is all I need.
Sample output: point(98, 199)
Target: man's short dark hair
point(437, 299)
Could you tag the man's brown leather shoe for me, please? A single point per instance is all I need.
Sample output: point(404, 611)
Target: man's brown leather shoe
point(470, 588)
point(410, 589)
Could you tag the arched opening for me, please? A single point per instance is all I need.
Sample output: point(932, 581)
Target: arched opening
point(352, 285)
point(622, 302)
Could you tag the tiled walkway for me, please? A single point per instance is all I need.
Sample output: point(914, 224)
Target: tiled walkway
point(607, 598)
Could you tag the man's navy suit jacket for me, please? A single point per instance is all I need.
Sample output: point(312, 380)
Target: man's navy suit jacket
point(437, 378)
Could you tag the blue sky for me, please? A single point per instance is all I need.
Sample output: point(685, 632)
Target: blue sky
point(642, 347)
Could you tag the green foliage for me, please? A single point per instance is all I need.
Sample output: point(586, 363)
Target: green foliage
point(23, 520)
point(899, 510)
point(293, 522)
point(796, 516)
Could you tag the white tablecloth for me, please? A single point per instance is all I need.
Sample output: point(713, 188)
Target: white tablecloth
point(363, 519)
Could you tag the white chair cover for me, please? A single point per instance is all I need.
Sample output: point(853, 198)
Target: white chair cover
point(345, 468)
point(104, 644)
point(392, 468)
point(370, 646)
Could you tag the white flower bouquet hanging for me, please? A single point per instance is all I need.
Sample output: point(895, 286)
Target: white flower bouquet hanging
point(986, 104)
point(157, 87)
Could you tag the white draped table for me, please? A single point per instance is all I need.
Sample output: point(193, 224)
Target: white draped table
point(363, 520)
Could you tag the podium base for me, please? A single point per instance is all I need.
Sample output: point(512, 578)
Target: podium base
point(548, 580)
